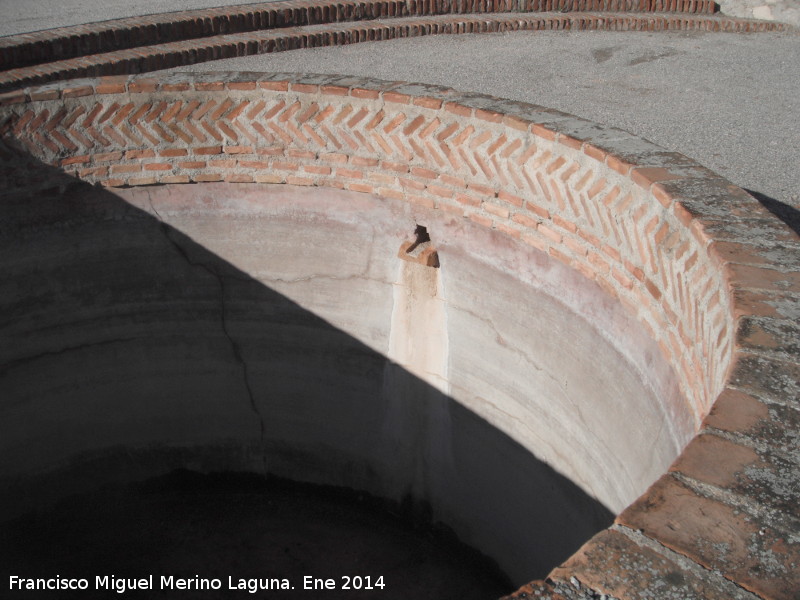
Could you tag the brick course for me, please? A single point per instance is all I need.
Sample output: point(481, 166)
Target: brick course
point(646, 225)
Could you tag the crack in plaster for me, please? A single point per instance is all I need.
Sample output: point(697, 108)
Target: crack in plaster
point(235, 348)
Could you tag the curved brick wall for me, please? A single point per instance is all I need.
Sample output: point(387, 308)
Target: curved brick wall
point(688, 254)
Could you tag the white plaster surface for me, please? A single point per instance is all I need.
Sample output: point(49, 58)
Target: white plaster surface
point(247, 327)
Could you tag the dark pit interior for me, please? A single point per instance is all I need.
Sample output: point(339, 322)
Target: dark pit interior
point(270, 533)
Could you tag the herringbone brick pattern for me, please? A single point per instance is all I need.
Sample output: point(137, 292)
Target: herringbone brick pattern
point(498, 172)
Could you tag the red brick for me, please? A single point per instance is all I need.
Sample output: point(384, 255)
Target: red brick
point(599, 263)
point(173, 152)
point(458, 109)
point(239, 178)
point(363, 93)
point(543, 132)
point(110, 88)
point(453, 181)
point(75, 160)
point(143, 86)
point(278, 86)
point(304, 88)
point(360, 187)
point(564, 224)
point(334, 90)
point(222, 163)
point(618, 165)
point(570, 142)
point(442, 192)
point(488, 115)
point(390, 193)
point(396, 98)
point(174, 179)
point(297, 180)
point(425, 201)
point(494, 209)
point(480, 219)
point(575, 245)
point(560, 256)
point(317, 169)
point(206, 177)
point(272, 151)
point(594, 152)
point(333, 157)
point(211, 86)
point(548, 232)
point(364, 162)
point(77, 92)
point(411, 184)
point(131, 154)
point(175, 87)
point(482, 189)
point(95, 171)
point(269, 178)
point(394, 166)
point(242, 85)
point(207, 150)
point(516, 123)
point(525, 220)
point(424, 173)
point(38, 95)
point(428, 102)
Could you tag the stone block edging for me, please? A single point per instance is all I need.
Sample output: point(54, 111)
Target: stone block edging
point(710, 274)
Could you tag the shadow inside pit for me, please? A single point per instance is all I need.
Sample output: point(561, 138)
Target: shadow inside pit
point(786, 213)
point(132, 351)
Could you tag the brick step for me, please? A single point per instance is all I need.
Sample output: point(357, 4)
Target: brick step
point(96, 38)
point(188, 52)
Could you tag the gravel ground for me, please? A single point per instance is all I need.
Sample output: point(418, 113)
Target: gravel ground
point(729, 101)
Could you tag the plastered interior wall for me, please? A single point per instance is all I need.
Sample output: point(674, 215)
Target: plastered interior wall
point(250, 326)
